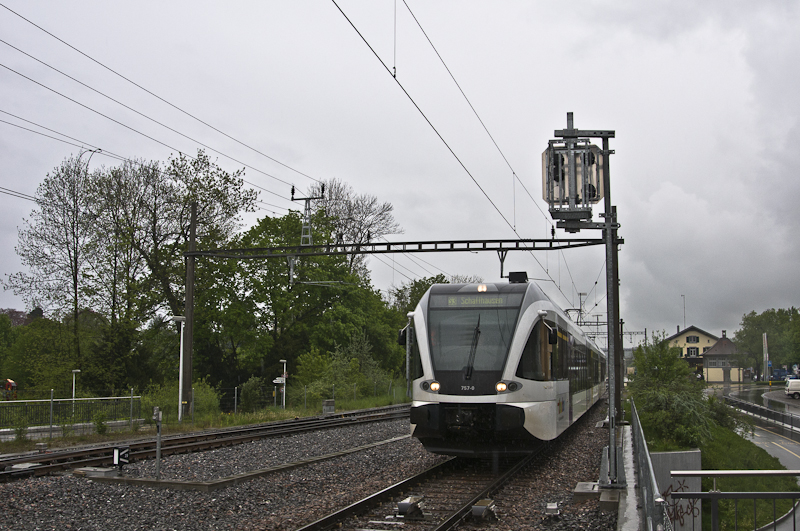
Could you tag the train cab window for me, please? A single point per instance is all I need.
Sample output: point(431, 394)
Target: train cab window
point(535, 361)
point(416, 361)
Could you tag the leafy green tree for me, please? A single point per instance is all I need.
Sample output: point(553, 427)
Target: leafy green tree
point(781, 327)
point(42, 356)
point(670, 399)
point(8, 335)
point(406, 297)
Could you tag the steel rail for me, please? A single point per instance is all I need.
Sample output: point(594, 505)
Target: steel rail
point(374, 499)
point(361, 506)
point(466, 509)
point(103, 455)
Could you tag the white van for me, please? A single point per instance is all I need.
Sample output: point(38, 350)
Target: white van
point(792, 388)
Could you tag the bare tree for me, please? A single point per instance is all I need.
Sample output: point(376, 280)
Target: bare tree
point(356, 219)
point(55, 244)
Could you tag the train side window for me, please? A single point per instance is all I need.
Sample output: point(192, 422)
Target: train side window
point(561, 357)
point(534, 363)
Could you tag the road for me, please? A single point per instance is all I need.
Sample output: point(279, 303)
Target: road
point(785, 449)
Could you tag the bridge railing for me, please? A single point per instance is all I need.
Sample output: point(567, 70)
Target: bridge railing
point(714, 496)
point(781, 417)
point(653, 505)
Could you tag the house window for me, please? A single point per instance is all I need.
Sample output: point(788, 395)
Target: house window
point(692, 352)
point(693, 339)
point(706, 348)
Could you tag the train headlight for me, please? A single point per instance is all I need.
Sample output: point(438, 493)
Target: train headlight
point(435, 386)
point(482, 288)
point(501, 387)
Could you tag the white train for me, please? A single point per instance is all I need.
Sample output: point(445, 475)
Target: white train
point(496, 367)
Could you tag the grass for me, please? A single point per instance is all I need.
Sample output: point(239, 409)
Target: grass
point(208, 421)
point(729, 451)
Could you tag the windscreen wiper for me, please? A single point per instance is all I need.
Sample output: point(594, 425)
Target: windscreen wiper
point(476, 335)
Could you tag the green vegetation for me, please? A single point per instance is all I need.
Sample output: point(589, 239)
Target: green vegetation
point(100, 426)
point(783, 337)
point(109, 271)
point(726, 450)
point(672, 407)
point(676, 414)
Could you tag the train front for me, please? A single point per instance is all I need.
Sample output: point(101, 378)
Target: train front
point(461, 342)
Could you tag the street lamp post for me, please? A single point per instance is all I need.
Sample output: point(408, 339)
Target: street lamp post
point(74, 372)
point(283, 389)
point(180, 319)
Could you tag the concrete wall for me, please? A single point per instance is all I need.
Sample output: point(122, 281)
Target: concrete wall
point(685, 514)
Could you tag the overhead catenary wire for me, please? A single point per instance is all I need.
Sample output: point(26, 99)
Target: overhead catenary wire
point(82, 145)
point(159, 97)
point(144, 115)
point(140, 132)
point(515, 177)
point(446, 144)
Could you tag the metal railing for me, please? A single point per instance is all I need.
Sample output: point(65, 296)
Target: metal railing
point(714, 496)
point(66, 411)
point(780, 417)
point(653, 504)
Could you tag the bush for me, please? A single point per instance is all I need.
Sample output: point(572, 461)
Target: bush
point(165, 397)
point(255, 394)
point(20, 426)
point(100, 423)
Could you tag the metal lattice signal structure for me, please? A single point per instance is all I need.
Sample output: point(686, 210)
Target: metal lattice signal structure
point(575, 175)
point(305, 236)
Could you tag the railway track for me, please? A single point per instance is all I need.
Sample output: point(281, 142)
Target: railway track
point(40, 464)
point(436, 499)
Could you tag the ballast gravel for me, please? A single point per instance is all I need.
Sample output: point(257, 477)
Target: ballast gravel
point(279, 501)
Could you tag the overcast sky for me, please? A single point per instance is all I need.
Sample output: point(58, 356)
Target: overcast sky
point(703, 97)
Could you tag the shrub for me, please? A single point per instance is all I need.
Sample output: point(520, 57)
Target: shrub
point(255, 394)
point(165, 397)
point(20, 426)
point(100, 423)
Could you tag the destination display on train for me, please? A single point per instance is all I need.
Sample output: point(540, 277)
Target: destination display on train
point(476, 300)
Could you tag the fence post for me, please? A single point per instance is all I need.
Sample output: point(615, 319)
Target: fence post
point(354, 391)
point(334, 391)
point(235, 399)
point(51, 414)
point(274, 396)
point(305, 397)
point(192, 406)
point(131, 423)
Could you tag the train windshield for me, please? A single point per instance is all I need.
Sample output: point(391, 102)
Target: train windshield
point(472, 332)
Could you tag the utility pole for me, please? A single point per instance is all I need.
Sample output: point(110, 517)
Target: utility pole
point(576, 175)
point(189, 313)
